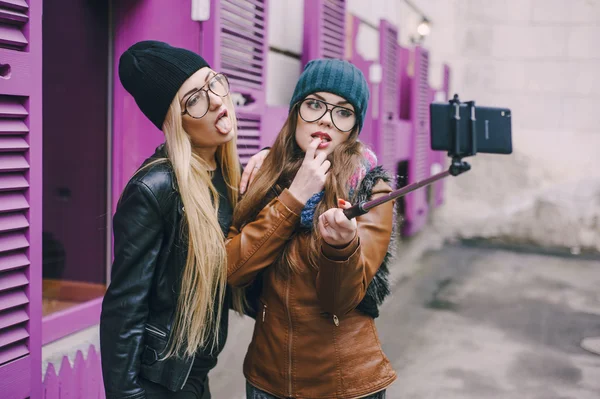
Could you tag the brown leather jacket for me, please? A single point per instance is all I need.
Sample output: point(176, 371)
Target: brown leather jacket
point(309, 341)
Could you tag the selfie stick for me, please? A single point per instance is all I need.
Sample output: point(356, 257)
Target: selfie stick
point(457, 167)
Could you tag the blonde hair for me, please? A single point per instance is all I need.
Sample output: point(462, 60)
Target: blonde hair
point(204, 277)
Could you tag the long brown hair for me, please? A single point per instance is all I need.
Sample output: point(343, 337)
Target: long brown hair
point(277, 173)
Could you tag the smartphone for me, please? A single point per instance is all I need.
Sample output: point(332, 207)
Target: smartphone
point(493, 128)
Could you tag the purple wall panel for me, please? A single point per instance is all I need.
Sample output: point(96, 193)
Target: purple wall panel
point(404, 83)
point(403, 129)
point(273, 120)
point(75, 318)
point(82, 380)
point(75, 136)
point(134, 136)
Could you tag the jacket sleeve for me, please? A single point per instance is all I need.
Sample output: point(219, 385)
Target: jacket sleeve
point(345, 273)
point(138, 236)
point(260, 242)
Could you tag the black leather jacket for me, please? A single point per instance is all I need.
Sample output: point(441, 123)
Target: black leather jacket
point(139, 305)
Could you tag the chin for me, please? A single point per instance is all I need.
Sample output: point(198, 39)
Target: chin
point(228, 137)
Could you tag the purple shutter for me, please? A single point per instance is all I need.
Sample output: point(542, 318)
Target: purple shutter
point(235, 42)
point(417, 208)
point(369, 134)
point(324, 29)
point(20, 198)
point(388, 93)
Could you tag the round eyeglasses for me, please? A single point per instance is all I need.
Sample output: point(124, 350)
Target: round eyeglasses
point(311, 110)
point(198, 103)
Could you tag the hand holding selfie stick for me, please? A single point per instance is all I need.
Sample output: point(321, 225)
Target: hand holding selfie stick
point(457, 167)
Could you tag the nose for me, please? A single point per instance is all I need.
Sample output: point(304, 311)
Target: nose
point(326, 119)
point(215, 101)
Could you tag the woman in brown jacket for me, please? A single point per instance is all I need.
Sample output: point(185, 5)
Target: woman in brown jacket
point(317, 277)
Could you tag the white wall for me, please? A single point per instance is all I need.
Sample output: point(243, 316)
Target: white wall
point(541, 58)
point(374, 10)
point(286, 19)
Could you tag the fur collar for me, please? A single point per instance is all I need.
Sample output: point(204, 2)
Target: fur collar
point(379, 288)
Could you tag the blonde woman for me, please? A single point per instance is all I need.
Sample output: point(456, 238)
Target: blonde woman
point(165, 314)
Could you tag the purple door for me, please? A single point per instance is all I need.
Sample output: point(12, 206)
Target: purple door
point(20, 197)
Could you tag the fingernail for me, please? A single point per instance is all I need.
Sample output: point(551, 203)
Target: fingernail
point(341, 202)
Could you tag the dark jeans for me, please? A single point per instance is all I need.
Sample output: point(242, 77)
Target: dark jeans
point(254, 393)
point(195, 388)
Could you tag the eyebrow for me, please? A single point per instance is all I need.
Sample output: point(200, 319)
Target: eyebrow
point(343, 102)
point(196, 88)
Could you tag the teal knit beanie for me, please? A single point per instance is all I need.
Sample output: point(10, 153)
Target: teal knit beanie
point(338, 77)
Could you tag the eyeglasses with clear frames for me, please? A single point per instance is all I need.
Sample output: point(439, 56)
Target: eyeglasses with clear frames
point(198, 103)
point(312, 110)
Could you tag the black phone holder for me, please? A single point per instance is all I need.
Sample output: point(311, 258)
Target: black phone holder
point(459, 166)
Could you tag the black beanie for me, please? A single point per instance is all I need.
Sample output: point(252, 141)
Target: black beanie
point(152, 72)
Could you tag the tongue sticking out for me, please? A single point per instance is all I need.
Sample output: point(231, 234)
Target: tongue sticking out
point(224, 125)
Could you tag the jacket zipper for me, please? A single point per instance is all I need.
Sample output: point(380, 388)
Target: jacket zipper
point(287, 304)
point(264, 313)
point(154, 330)
point(188, 373)
point(336, 319)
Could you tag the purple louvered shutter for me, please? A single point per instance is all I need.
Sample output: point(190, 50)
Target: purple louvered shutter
point(20, 197)
point(235, 42)
point(388, 93)
point(417, 207)
point(324, 29)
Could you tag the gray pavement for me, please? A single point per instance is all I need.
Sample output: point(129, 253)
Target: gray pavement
point(476, 323)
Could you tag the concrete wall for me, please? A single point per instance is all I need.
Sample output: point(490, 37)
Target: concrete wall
point(541, 58)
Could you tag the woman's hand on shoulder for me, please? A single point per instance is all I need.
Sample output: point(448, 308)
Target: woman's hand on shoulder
point(335, 228)
point(251, 170)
